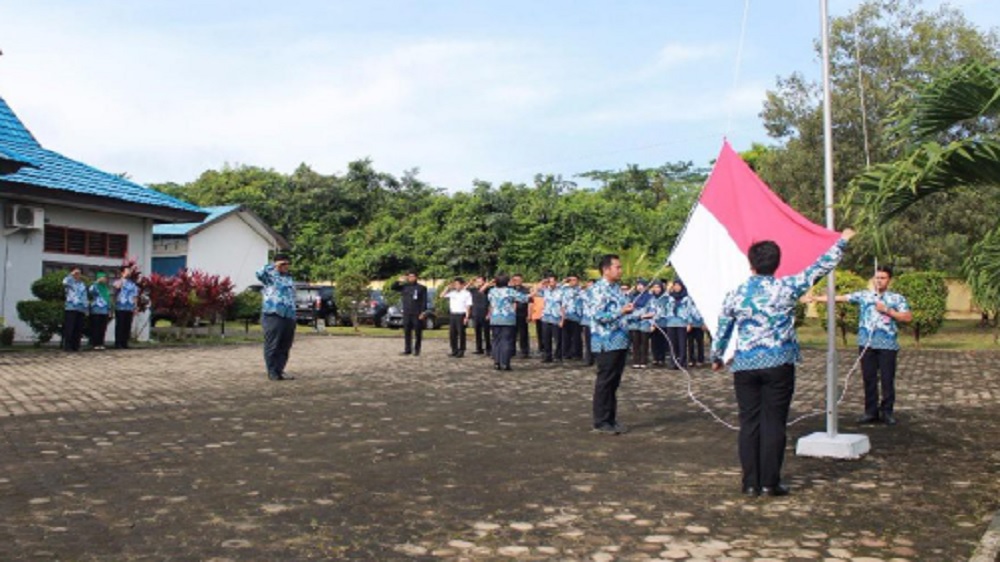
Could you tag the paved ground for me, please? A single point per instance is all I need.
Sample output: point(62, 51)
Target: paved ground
point(189, 454)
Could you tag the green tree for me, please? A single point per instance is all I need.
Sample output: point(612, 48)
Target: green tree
point(352, 288)
point(45, 315)
point(879, 54)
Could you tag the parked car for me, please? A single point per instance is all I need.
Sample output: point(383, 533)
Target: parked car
point(369, 311)
point(314, 302)
point(394, 316)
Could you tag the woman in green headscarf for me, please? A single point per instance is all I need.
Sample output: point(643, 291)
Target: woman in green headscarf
point(100, 308)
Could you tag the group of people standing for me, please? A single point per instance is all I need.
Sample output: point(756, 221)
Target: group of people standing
point(97, 304)
point(602, 321)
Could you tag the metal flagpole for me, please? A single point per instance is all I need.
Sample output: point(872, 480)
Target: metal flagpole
point(831, 289)
point(830, 444)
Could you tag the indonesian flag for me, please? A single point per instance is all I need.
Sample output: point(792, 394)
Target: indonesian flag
point(735, 210)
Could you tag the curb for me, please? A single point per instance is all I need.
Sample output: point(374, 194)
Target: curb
point(989, 547)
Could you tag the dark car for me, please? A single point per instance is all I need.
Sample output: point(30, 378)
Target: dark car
point(394, 316)
point(369, 311)
point(315, 302)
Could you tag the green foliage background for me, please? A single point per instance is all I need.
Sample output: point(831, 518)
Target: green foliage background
point(847, 314)
point(927, 295)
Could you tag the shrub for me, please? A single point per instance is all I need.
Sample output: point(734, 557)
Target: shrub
point(189, 295)
point(246, 305)
point(49, 287)
point(7, 336)
point(847, 314)
point(352, 288)
point(927, 294)
point(45, 318)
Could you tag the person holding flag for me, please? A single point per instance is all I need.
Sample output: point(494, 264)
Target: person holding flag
point(762, 311)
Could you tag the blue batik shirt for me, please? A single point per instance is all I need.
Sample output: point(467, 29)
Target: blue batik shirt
point(552, 309)
point(762, 310)
point(503, 305)
point(571, 303)
point(586, 307)
point(608, 329)
point(278, 293)
point(645, 304)
point(695, 319)
point(877, 330)
point(99, 305)
point(678, 312)
point(127, 293)
point(76, 294)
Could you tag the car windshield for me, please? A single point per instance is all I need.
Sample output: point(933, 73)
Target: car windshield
point(305, 295)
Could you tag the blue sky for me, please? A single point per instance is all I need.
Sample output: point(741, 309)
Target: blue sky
point(462, 90)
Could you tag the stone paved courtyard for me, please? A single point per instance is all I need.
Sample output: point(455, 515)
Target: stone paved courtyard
point(190, 454)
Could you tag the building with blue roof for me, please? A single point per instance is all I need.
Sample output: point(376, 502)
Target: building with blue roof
point(232, 241)
point(59, 213)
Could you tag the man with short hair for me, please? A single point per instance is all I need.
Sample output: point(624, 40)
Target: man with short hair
point(878, 342)
point(480, 316)
point(521, 338)
point(414, 305)
point(762, 312)
point(552, 347)
point(459, 310)
point(277, 317)
point(570, 297)
point(75, 309)
point(609, 342)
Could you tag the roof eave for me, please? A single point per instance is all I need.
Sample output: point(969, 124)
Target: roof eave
point(31, 193)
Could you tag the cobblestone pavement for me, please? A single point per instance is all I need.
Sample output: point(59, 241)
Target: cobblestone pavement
point(190, 454)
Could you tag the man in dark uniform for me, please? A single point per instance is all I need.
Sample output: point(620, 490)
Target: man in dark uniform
point(414, 305)
point(480, 316)
point(521, 309)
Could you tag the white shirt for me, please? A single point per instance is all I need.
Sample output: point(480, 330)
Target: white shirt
point(459, 301)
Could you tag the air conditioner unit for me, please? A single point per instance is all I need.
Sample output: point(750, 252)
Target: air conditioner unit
point(23, 216)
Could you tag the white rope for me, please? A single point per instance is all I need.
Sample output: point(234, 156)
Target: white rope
point(861, 91)
point(739, 62)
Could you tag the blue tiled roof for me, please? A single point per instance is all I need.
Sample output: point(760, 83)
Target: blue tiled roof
point(183, 228)
point(51, 170)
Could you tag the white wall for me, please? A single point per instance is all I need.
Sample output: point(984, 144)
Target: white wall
point(22, 253)
point(229, 247)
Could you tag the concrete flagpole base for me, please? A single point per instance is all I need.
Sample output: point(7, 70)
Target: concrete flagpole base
point(840, 446)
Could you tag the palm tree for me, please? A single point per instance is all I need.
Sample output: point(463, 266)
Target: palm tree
point(947, 137)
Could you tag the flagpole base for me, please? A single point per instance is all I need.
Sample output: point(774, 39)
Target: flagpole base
point(840, 446)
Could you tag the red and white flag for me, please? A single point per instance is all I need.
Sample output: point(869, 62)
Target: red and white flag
point(735, 210)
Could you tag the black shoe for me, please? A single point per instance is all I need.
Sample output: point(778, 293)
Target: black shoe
point(889, 419)
point(478, 352)
point(405, 353)
point(496, 366)
point(619, 428)
point(775, 491)
point(417, 352)
point(271, 377)
point(506, 367)
point(452, 354)
point(605, 429)
point(547, 360)
point(751, 491)
point(868, 418)
point(460, 354)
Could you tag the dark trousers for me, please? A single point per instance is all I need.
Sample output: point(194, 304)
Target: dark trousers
point(123, 328)
point(764, 396)
point(73, 321)
point(413, 325)
point(98, 329)
point(677, 342)
point(610, 366)
point(658, 339)
point(482, 331)
point(640, 346)
point(551, 341)
point(588, 355)
point(879, 365)
point(503, 345)
point(696, 345)
point(279, 333)
point(571, 343)
point(521, 335)
point(456, 333)
point(538, 335)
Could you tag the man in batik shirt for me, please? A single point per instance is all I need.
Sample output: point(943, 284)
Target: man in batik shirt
point(609, 343)
point(277, 316)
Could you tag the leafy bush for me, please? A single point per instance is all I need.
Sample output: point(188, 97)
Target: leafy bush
point(246, 305)
point(7, 336)
point(189, 295)
point(847, 314)
point(927, 294)
point(49, 287)
point(45, 318)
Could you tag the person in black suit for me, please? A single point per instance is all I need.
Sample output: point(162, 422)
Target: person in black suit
point(414, 305)
point(480, 316)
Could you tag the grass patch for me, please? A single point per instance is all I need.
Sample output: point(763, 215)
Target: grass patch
point(955, 335)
